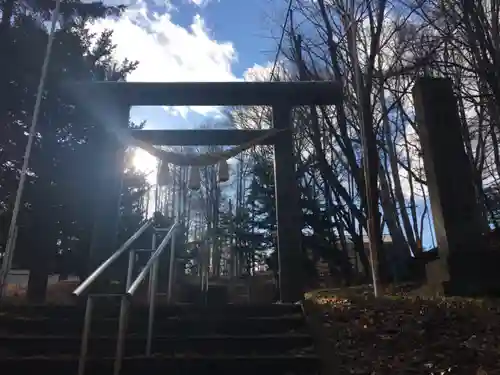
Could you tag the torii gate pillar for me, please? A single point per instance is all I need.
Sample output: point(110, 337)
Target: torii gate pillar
point(288, 209)
point(107, 201)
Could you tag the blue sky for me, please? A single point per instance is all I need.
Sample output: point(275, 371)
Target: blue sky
point(245, 24)
point(194, 40)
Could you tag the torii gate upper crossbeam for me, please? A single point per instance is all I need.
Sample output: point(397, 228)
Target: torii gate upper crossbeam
point(210, 93)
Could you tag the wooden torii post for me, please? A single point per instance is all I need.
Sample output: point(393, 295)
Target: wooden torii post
point(110, 102)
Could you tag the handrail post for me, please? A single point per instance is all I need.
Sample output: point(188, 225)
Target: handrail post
point(85, 335)
point(171, 268)
point(120, 342)
point(152, 305)
point(153, 249)
point(201, 265)
point(207, 277)
point(207, 271)
point(130, 268)
point(201, 277)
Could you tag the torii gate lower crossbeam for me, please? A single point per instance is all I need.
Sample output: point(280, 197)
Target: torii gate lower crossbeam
point(110, 104)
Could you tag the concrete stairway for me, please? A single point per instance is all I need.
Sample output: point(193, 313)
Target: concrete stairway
point(221, 339)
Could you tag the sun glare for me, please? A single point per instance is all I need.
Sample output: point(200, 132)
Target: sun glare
point(143, 161)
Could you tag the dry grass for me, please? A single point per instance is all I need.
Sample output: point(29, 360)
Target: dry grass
point(401, 333)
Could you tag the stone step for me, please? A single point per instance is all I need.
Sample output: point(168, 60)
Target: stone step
point(105, 308)
point(104, 346)
point(225, 339)
point(221, 365)
point(211, 324)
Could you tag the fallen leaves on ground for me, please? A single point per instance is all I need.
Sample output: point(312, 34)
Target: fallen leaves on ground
point(397, 334)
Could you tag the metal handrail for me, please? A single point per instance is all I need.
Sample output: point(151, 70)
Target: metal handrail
point(151, 268)
point(108, 262)
point(124, 298)
point(152, 260)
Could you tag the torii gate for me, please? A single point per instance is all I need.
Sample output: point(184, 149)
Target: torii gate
point(110, 104)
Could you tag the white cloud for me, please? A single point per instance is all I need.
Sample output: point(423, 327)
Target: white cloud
point(258, 73)
point(264, 72)
point(168, 52)
point(200, 3)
